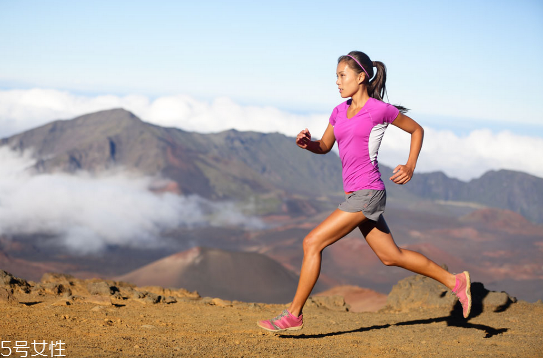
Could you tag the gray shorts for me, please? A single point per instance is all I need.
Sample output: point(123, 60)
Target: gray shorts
point(370, 202)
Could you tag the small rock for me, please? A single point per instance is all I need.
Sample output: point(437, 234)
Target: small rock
point(117, 295)
point(220, 302)
point(185, 299)
point(494, 298)
point(170, 299)
point(191, 294)
point(68, 295)
point(61, 303)
point(8, 281)
point(6, 296)
point(126, 291)
point(53, 288)
point(137, 294)
point(101, 288)
point(53, 277)
point(76, 298)
point(39, 289)
point(419, 291)
point(151, 298)
point(206, 300)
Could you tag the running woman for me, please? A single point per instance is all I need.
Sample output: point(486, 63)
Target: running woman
point(359, 125)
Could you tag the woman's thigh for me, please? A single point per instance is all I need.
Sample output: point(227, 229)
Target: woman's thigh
point(379, 238)
point(337, 225)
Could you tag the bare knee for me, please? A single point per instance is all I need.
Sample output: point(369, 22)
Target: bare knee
point(391, 259)
point(388, 262)
point(311, 244)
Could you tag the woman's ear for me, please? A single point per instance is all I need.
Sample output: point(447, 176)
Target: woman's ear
point(361, 77)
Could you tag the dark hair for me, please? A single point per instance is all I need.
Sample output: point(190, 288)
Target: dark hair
point(376, 86)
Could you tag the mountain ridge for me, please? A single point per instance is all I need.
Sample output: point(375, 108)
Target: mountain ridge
point(239, 165)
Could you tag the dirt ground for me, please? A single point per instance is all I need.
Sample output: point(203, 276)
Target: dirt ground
point(200, 328)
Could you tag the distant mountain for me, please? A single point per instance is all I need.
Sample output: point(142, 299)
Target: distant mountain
point(239, 276)
point(505, 189)
point(266, 168)
point(229, 164)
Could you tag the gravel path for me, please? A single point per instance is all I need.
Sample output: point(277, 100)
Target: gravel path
point(196, 328)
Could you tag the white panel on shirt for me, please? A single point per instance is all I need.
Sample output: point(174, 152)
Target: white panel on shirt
point(375, 139)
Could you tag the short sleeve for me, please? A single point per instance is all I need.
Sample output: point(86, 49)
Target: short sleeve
point(391, 113)
point(332, 119)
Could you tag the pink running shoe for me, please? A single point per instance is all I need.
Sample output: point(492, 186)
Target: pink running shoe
point(284, 322)
point(462, 290)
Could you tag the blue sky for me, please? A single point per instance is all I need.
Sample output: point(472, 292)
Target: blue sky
point(459, 66)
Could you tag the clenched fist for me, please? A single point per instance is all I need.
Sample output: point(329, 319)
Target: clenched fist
point(402, 174)
point(304, 138)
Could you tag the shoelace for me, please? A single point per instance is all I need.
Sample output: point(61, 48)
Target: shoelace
point(280, 316)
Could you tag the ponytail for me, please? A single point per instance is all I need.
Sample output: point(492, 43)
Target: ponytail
point(376, 86)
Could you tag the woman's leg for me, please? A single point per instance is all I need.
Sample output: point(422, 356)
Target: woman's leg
point(381, 241)
point(333, 228)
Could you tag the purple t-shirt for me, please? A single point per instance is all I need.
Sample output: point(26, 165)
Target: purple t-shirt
point(359, 139)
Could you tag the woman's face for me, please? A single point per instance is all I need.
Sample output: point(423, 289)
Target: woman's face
point(347, 80)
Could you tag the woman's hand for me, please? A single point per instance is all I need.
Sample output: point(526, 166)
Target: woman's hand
point(402, 174)
point(304, 138)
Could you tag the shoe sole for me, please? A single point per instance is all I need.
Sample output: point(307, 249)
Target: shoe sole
point(298, 328)
point(467, 292)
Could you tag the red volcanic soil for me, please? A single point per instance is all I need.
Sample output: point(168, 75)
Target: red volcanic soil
point(353, 253)
point(504, 220)
point(439, 256)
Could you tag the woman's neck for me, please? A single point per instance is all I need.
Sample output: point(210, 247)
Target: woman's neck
point(359, 98)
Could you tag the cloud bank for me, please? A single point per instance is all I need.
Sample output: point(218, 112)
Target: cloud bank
point(21, 110)
point(461, 156)
point(465, 157)
point(87, 213)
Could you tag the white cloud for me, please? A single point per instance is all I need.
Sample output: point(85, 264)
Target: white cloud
point(87, 213)
point(25, 109)
point(463, 157)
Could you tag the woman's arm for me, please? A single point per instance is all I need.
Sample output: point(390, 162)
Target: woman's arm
point(322, 146)
point(403, 173)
